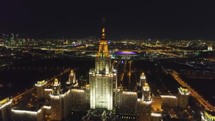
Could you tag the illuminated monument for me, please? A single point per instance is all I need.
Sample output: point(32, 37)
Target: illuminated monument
point(101, 78)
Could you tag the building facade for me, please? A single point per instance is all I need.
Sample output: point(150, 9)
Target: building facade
point(101, 78)
point(102, 98)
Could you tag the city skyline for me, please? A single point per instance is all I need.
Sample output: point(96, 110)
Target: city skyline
point(136, 80)
point(125, 20)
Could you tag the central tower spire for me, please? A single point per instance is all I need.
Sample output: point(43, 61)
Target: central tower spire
point(103, 59)
point(103, 28)
point(103, 44)
point(101, 79)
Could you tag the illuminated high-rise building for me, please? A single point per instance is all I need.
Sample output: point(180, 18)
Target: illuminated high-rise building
point(56, 88)
point(210, 48)
point(103, 59)
point(183, 97)
point(140, 85)
point(142, 79)
point(72, 82)
point(146, 93)
point(101, 78)
point(56, 101)
point(144, 104)
point(40, 88)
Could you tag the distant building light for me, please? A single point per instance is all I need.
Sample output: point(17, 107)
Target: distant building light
point(64, 94)
point(168, 96)
point(54, 96)
point(48, 90)
point(142, 76)
point(210, 48)
point(183, 91)
point(114, 70)
point(146, 87)
point(129, 93)
point(56, 82)
point(78, 90)
point(147, 102)
point(26, 112)
point(41, 83)
point(207, 116)
point(156, 114)
point(126, 53)
point(47, 107)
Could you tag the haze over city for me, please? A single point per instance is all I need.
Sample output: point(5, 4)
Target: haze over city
point(125, 19)
point(107, 61)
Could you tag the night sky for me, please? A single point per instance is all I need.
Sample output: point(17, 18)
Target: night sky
point(125, 19)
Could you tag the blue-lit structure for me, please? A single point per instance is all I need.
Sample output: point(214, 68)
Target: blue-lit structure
point(125, 55)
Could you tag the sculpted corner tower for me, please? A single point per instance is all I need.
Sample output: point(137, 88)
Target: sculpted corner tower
point(101, 78)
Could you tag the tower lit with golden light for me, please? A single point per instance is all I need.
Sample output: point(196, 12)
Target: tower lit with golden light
point(101, 78)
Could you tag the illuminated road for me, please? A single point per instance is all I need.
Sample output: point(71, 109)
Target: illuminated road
point(129, 72)
point(125, 72)
point(118, 64)
point(202, 101)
